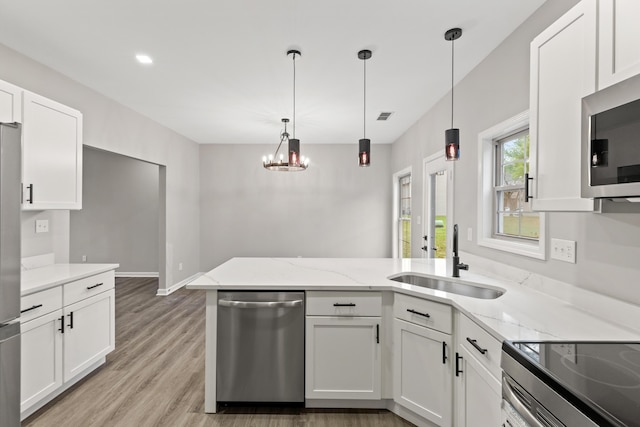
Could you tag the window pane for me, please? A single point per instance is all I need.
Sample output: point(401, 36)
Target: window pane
point(404, 216)
point(530, 226)
point(510, 223)
point(510, 200)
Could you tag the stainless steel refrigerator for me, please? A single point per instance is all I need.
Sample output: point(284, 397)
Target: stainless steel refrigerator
point(10, 195)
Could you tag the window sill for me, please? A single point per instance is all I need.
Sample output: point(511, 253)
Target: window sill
point(525, 249)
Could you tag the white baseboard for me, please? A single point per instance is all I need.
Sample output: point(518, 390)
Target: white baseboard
point(136, 274)
point(171, 289)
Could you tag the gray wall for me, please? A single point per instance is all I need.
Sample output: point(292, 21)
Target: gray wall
point(608, 245)
point(119, 216)
point(113, 127)
point(333, 209)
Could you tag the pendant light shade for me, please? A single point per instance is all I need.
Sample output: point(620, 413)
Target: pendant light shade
point(295, 162)
point(364, 145)
point(452, 136)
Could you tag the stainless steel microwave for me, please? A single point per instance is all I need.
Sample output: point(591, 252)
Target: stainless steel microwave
point(610, 161)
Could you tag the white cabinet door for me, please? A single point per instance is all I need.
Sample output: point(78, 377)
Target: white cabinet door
point(422, 373)
point(89, 332)
point(51, 153)
point(41, 358)
point(342, 358)
point(563, 70)
point(619, 38)
point(10, 103)
point(478, 393)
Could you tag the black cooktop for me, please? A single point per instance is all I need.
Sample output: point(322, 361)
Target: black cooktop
point(604, 376)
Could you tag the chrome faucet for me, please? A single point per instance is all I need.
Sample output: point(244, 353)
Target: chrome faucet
point(457, 265)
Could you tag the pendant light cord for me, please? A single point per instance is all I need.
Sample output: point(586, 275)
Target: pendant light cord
point(452, 43)
point(294, 96)
point(364, 117)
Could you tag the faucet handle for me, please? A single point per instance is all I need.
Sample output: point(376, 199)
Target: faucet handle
point(463, 266)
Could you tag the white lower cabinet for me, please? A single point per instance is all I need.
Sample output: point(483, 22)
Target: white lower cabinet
point(89, 332)
point(66, 331)
point(422, 373)
point(343, 358)
point(41, 364)
point(343, 355)
point(478, 392)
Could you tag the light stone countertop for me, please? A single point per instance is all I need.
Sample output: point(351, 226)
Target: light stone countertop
point(522, 313)
point(41, 278)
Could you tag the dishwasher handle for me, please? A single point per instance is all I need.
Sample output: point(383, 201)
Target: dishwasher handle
point(259, 304)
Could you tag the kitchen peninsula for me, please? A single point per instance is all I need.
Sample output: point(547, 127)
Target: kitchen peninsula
point(522, 312)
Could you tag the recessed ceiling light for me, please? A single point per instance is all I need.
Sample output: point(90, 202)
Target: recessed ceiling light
point(144, 59)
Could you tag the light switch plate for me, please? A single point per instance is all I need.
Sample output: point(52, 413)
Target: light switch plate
point(563, 250)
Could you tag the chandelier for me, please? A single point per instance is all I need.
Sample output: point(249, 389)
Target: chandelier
point(294, 162)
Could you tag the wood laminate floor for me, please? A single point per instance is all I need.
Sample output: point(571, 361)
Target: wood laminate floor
point(155, 376)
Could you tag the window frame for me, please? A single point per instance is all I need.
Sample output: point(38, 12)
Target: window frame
point(487, 203)
point(397, 253)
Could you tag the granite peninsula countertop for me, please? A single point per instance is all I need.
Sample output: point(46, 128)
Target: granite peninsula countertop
point(521, 313)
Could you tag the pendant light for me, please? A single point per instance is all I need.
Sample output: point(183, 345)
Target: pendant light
point(364, 145)
point(295, 162)
point(452, 136)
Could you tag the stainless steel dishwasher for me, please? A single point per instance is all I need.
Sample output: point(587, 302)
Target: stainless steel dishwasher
point(260, 354)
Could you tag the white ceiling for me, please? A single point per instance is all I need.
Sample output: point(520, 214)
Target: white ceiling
point(221, 74)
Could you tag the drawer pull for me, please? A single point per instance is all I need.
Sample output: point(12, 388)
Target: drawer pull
point(30, 308)
point(61, 319)
point(474, 343)
point(70, 320)
point(458, 370)
point(350, 304)
point(410, 310)
point(30, 199)
point(378, 333)
point(94, 286)
point(444, 353)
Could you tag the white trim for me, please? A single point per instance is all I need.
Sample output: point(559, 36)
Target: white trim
point(395, 206)
point(172, 289)
point(485, 186)
point(136, 274)
point(431, 164)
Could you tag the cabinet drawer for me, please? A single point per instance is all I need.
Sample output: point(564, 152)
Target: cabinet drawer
point(481, 344)
point(84, 288)
point(422, 312)
point(323, 303)
point(40, 303)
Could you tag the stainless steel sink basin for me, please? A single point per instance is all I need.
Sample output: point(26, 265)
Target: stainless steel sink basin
point(447, 286)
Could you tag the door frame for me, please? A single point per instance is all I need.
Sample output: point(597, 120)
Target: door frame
point(430, 165)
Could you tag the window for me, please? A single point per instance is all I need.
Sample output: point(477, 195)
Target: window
point(505, 221)
point(513, 215)
point(402, 214)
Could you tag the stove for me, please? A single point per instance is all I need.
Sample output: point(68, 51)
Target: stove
point(571, 383)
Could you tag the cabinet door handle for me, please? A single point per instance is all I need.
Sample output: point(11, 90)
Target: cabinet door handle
point(30, 199)
point(444, 352)
point(30, 308)
point(350, 304)
point(94, 286)
point(474, 343)
point(70, 320)
point(61, 319)
point(410, 310)
point(377, 333)
point(458, 370)
point(527, 196)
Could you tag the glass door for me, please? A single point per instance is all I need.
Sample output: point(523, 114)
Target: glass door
point(438, 209)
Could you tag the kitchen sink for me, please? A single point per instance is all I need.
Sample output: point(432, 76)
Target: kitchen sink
point(465, 289)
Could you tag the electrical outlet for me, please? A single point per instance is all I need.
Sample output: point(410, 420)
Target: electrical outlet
point(563, 250)
point(84, 258)
point(42, 225)
point(180, 266)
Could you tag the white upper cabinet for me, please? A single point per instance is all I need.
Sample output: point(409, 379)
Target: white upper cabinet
point(10, 103)
point(619, 38)
point(563, 70)
point(52, 154)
